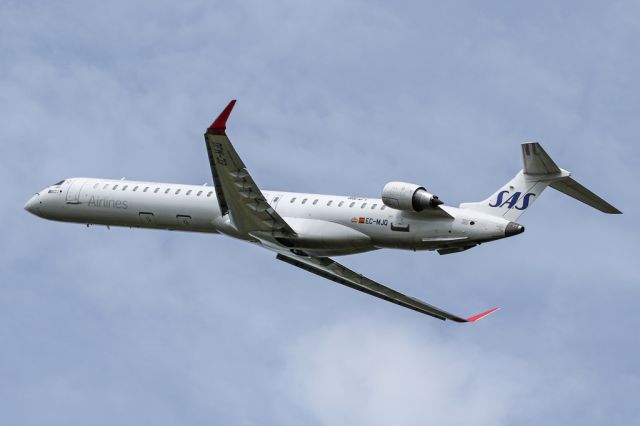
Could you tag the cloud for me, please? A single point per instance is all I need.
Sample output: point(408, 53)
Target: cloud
point(368, 372)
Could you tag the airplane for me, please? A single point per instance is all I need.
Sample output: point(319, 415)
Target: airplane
point(304, 230)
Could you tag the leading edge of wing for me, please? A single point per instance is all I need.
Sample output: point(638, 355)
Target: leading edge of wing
point(334, 271)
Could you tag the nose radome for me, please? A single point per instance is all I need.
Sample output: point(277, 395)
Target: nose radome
point(32, 205)
point(513, 228)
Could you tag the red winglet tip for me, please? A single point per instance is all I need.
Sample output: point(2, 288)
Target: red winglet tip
point(482, 315)
point(220, 125)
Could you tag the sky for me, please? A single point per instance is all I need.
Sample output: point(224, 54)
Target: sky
point(129, 327)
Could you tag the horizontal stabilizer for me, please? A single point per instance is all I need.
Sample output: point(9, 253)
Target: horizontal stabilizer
point(573, 189)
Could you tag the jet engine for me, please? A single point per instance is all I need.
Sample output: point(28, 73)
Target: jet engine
point(408, 197)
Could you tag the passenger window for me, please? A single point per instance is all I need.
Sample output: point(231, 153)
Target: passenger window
point(115, 187)
point(146, 188)
point(135, 188)
point(315, 201)
point(188, 192)
point(304, 201)
point(124, 187)
point(166, 191)
point(363, 205)
point(352, 204)
point(383, 207)
point(209, 194)
point(275, 200)
point(329, 202)
point(373, 206)
point(156, 190)
point(293, 199)
point(199, 193)
point(177, 191)
point(96, 185)
point(106, 185)
point(340, 203)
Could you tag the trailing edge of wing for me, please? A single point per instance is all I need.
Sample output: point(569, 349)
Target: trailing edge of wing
point(332, 270)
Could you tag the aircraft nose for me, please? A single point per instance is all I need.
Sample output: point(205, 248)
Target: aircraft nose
point(32, 205)
point(513, 228)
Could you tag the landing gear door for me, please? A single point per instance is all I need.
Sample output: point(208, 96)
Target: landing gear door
point(73, 191)
point(147, 219)
point(183, 219)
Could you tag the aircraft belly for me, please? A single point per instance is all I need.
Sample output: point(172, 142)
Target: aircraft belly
point(321, 234)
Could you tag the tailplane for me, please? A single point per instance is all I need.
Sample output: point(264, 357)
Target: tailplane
point(539, 171)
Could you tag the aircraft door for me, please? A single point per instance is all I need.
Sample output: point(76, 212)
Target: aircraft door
point(73, 191)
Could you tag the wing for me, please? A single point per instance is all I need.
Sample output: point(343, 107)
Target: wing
point(238, 195)
point(332, 270)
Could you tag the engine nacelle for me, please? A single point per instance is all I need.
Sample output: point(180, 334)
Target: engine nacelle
point(408, 197)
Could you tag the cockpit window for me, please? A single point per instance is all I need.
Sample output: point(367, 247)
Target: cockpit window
point(59, 183)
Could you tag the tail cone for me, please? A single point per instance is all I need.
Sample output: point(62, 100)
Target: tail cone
point(513, 229)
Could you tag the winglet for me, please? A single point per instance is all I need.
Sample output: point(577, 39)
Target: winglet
point(482, 315)
point(220, 125)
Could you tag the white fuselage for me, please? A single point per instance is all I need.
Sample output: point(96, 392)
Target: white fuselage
point(325, 224)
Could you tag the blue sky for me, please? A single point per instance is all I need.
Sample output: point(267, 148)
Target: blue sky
point(144, 327)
